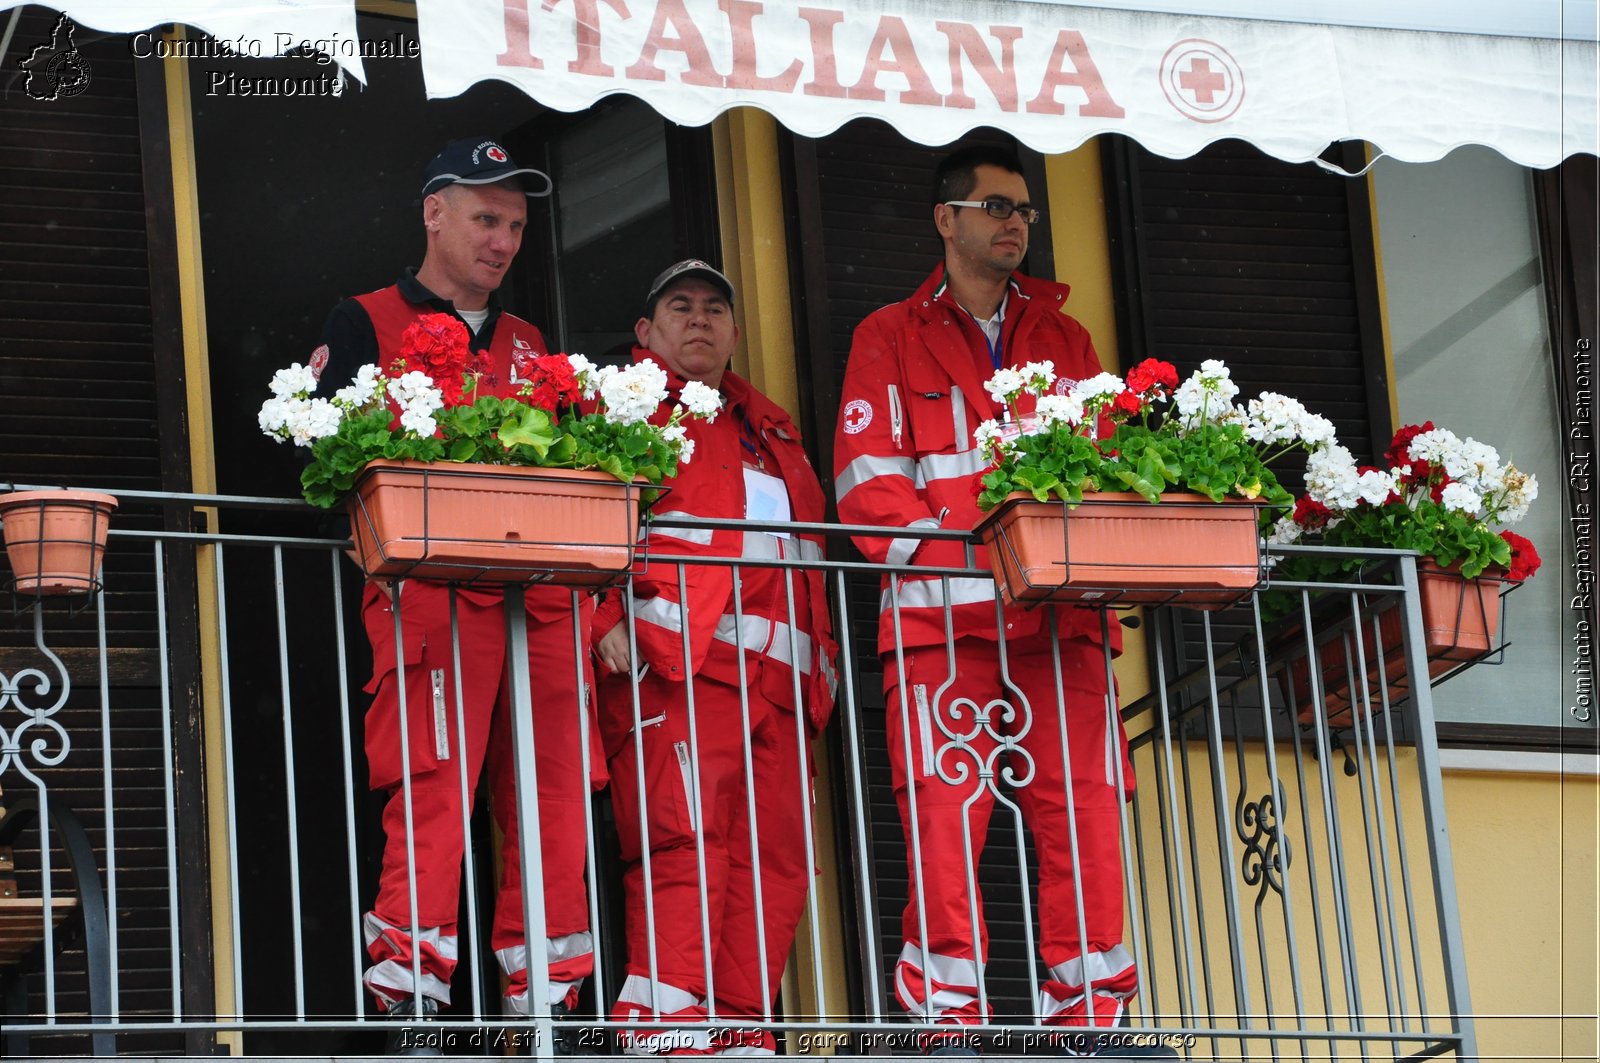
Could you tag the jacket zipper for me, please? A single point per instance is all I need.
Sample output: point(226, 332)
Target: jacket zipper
point(682, 749)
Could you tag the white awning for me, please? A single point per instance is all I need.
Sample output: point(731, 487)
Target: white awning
point(252, 28)
point(1050, 74)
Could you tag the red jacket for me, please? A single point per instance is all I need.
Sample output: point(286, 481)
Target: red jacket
point(711, 485)
point(903, 451)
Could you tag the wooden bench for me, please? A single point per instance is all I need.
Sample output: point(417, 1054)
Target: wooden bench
point(23, 919)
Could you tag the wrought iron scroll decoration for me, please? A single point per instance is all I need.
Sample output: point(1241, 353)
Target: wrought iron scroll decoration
point(39, 685)
point(1257, 824)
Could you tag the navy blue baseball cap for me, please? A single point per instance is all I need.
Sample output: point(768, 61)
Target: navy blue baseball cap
point(480, 161)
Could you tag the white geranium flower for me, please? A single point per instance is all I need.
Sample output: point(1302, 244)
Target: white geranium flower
point(1284, 532)
point(633, 394)
point(1233, 415)
point(586, 373)
point(319, 419)
point(1314, 429)
point(1038, 376)
point(1190, 398)
point(1432, 446)
point(1273, 418)
point(1058, 409)
point(1519, 491)
point(411, 385)
point(1460, 498)
point(1209, 390)
point(274, 417)
point(1376, 485)
point(702, 401)
point(985, 435)
point(1107, 385)
point(295, 381)
point(686, 451)
point(1005, 385)
point(1474, 463)
point(1331, 477)
point(361, 390)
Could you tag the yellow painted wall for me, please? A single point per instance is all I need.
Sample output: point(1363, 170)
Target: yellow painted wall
point(1077, 220)
point(1527, 885)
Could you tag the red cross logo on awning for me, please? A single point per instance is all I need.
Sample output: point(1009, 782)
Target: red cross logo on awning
point(1202, 80)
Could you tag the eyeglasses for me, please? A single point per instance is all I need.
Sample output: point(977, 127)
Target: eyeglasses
point(998, 208)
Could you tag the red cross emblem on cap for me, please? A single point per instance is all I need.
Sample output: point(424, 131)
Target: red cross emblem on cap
point(496, 153)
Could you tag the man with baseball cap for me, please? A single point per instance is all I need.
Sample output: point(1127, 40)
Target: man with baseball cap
point(474, 211)
point(724, 664)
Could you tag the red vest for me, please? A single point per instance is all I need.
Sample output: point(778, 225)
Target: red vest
point(512, 343)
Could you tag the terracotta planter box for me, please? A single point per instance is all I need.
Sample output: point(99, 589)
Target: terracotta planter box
point(1118, 549)
point(1460, 623)
point(56, 540)
point(494, 523)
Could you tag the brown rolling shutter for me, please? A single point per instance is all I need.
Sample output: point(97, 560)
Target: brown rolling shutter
point(1264, 264)
point(84, 406)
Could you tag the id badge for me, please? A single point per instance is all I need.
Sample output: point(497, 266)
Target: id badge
point(765, 499)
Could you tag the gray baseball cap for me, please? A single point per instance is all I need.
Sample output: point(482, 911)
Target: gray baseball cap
point(689, 267)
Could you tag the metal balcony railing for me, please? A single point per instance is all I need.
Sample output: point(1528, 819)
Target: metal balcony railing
point(1284, 861)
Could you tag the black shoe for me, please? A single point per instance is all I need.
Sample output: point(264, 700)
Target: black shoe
point(564, 1043)
point(410, 1035)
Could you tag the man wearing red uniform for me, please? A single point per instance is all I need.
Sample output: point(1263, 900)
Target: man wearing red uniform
point(727, 661)
point(904, 457)
point(474, 210)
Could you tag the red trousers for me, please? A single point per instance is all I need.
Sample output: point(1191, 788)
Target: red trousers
point(721, 907)
point(944, 945)
point(442, 754)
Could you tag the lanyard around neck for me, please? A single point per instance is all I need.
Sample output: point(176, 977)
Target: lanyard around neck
point(748, 440)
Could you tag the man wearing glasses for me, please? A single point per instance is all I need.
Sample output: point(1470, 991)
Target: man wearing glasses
point(904, 457)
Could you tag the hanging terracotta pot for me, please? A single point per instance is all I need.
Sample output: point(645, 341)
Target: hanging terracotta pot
point(55, 540)
point(1117, 549)
point(1460, 624)
point(494, 523)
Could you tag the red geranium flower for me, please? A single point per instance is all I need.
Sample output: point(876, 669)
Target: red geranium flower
point(1151, 372)
point(977, 478)
point(1310, 514)
point(1525, 560)
point(1126, 402)
point(551, 382)
point(437, 344)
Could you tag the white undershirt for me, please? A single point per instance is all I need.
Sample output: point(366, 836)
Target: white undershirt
point(991, 326)
point(474, 318)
